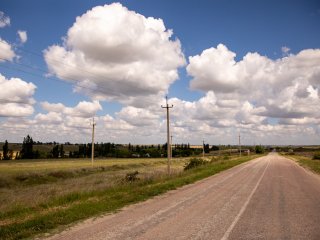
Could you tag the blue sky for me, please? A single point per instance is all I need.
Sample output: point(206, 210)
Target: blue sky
point(273, 29)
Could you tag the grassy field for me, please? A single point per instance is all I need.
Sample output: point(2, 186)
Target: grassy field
point(38, 196)
point(306, 161)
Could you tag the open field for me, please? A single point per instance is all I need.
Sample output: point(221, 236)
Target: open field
point(36, 196)
point(20, 180)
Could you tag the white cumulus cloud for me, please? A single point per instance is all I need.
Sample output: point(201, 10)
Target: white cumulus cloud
point(138, 116)
point(282, 88)
point(6, 51)
point(125, 57)
point(49, 118)
point(16, 99)
point(22, 36)
point(83, 109)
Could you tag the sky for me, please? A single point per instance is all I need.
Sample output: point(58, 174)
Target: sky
point(227, 67)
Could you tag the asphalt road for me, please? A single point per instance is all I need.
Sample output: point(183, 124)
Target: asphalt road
point(267, 198)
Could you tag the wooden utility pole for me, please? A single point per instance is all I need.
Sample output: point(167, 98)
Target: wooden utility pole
point(168, 133)
point(203, 148)
point(171, 148)
point(239, 144)
point(92, 143)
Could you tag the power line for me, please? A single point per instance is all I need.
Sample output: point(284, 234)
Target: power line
point(6, 101)
point(52, 78)
point(56, 78)
point(30, 52)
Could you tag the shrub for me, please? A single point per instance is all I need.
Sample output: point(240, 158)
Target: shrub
point(316, 156)
point(131, 177)
point(195, 162)
point(226, 157)
point(32, 178)
point(259, 149)
point(61, 174)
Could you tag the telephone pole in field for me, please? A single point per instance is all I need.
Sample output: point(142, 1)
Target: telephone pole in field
point(168, 133)
point(202, 148)
point(92, 143)
point(239, 144)
point(171, 147)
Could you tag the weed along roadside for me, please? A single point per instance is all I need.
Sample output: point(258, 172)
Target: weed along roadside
point(101, 191)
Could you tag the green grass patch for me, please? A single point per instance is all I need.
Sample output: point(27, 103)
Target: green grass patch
point(25, 221)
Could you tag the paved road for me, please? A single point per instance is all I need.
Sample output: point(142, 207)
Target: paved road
point(267, 198)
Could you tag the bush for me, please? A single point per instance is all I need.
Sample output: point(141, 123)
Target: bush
point(61, 174)
point(131, 177)
point(316, 156)
point(195, 162)
point(226, 157)
point(259, 149)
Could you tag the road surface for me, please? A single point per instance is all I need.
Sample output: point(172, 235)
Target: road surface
point(267, 198)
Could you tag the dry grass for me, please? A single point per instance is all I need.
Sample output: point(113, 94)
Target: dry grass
point(21, 181)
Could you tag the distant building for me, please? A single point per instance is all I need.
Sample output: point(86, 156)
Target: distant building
point(14, 154)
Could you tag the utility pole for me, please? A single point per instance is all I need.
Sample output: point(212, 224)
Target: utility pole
point(171, 148)
point(168, 133)
point(239, 144)
point(203, 148)
point(92, 144)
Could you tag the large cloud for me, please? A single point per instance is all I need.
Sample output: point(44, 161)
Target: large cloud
point(282, 88)
point(6, 51)
point(16, 97)
point(125, 57)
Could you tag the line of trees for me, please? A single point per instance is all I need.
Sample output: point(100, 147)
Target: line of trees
point(101, 150)
point(104, 150)
point(127, 151)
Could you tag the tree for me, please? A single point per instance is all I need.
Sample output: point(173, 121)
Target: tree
point(214, 148)
point(259, 149)
point(55, 151)
point(27, 148)
point(61, 151)
point(206, 148)
point(5, 149)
